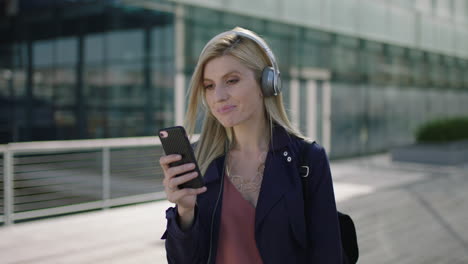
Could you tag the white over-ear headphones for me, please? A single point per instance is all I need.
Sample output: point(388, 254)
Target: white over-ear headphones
point(271, 79)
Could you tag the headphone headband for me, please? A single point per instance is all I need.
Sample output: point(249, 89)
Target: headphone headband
point(273, 82)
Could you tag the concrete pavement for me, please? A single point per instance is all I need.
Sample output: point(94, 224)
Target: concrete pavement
point(404, 213)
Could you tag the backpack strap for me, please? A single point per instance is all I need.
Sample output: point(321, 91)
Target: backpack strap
point(304, 172)
point(349, 244)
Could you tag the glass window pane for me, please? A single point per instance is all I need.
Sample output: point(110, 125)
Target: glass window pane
point(66, 51)
point(64, 87)
point(94, 48)
point(43, 53)
point(125, 82)
point(126, 45)
point(157, 42)
point(43, 81)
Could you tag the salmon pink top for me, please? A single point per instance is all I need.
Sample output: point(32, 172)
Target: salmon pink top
point(237, 229)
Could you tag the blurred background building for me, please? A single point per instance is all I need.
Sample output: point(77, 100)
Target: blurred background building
point(359, 75)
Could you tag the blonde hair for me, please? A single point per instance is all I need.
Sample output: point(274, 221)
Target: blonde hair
point(214, 138)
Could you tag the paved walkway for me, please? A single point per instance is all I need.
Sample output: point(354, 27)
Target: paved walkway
point(404, 213)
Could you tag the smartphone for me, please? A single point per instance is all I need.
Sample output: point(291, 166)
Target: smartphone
point(174, 140)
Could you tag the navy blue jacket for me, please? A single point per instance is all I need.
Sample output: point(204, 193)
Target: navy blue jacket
point(280, 225)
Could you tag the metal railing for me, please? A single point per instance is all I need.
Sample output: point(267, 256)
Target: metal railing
point(42, 179)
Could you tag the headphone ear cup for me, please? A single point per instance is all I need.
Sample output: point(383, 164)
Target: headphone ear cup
point(268, 81)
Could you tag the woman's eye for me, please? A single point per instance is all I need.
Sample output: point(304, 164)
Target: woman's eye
point(232, 81)
point(208, 86)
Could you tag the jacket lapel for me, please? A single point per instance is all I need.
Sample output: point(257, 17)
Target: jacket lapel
point(213, 183)
point(213, 172)
point(275, 178)
point(274, 185)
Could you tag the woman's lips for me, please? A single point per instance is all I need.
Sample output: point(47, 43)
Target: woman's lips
point(226, 109)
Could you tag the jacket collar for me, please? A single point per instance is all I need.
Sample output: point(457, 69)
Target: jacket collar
point(280, 139)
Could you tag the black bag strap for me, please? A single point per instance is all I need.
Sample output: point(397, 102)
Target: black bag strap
point(304, 171)
point(347, 229)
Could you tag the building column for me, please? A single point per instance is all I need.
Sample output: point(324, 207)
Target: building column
point(326, 115)
point(147, 83)
point(80, 106)
point(294, 100)
point(179, 82)
point(25, 131)
point(311, 88)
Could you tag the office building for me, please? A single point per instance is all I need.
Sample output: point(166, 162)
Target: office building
point(359, 76)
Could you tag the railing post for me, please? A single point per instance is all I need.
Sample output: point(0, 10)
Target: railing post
point(106, 182)
point(8, 187)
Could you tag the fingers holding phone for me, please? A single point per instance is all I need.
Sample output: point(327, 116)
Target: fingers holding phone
point(174, 177)
point(174, 140)
point(182, 177)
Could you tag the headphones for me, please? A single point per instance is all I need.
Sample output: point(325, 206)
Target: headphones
point(271, 80)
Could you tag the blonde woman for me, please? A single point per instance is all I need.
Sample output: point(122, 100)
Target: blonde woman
point(251, 209)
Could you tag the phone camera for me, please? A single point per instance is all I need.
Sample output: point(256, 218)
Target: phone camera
point(163, 134)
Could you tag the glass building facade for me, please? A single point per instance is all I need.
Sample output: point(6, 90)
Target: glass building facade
point(99, 69)
point(380, 93)
point(85, 69)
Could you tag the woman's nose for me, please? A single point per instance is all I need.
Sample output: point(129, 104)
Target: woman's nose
point(221, 93)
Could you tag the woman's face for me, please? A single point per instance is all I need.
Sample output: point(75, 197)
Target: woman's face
point(231, 92)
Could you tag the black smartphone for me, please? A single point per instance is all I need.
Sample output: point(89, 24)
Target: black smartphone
point(174, 140)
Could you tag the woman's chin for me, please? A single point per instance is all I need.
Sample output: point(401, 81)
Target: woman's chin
point(227, 123)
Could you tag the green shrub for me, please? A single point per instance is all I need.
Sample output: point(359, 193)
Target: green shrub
point(443, 130)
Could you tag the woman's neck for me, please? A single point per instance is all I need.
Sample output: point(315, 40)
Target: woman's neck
point(252, 138)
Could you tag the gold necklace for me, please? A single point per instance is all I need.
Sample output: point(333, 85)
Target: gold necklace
point(243, 184)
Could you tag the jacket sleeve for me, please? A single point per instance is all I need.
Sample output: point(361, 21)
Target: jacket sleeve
point(182, 246)
point(323, 226)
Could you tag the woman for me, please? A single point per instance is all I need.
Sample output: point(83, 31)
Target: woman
point(251, 209)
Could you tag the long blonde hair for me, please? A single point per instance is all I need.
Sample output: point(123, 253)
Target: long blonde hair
point(214, 138)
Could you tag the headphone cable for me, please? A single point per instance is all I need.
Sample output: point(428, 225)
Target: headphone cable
point(217, 201)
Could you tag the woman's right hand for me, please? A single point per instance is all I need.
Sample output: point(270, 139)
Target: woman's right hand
point(184, 198)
